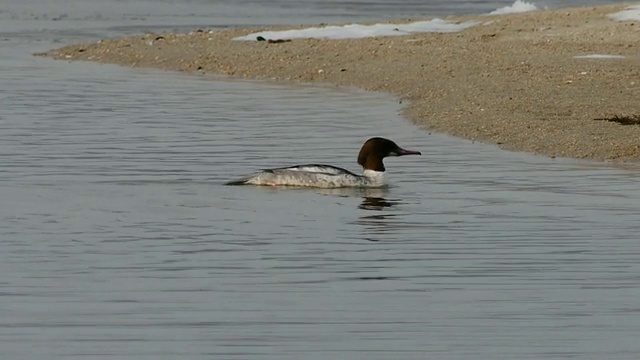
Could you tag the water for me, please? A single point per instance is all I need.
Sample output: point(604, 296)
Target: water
point(117, 239)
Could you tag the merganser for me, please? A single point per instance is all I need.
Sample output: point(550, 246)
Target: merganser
point(327, 176)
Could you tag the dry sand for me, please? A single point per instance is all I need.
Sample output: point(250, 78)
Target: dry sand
point(513, 82)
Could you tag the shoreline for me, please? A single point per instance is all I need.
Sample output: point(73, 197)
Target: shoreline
point(512, 81)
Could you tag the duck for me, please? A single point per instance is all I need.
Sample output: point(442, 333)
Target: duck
point(370, 157)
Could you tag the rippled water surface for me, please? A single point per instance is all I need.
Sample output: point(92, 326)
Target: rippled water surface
point(118, 239)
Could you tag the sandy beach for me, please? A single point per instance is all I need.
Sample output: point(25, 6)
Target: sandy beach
point(512, 81)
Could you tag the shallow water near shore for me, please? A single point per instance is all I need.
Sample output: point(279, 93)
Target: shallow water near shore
point(118, 239)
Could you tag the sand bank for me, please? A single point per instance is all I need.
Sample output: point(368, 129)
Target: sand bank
point(513, 81)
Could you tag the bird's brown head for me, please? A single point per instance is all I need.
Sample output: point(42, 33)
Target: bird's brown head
point(376, 149)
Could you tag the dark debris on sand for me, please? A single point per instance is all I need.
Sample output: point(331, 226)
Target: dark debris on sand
point(623, 119)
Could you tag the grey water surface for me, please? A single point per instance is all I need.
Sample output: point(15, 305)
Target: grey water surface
point(118, 239)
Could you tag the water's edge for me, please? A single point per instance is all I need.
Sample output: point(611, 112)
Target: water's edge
point(434, 100)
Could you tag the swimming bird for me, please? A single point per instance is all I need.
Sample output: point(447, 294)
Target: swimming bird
point(327, 176)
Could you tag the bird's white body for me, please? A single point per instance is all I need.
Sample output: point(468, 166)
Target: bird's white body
point(320, 176)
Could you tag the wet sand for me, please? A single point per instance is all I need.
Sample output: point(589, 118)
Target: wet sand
point(512, 81)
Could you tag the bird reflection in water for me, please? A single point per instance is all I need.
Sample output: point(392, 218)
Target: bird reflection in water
point(376, 203)
point(373, 198)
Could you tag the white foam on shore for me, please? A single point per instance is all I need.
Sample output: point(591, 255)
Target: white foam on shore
point(518, 6)
point(356, 31)
point(632, 13)
point(599, 56)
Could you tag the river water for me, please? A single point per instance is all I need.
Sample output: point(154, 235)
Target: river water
point(118, 240)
